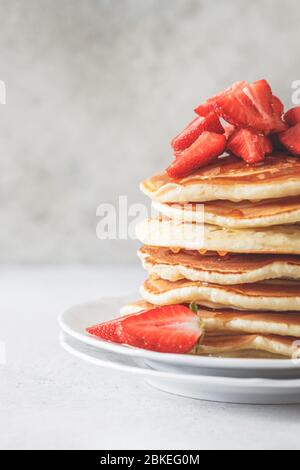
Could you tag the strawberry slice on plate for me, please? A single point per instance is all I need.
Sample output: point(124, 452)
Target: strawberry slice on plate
point(249, 145)
point(205, 149)
point(191, 133)
point(109, 331)
point(291, 139)
point(292, 117)
point(169, 329)
point(208, 106)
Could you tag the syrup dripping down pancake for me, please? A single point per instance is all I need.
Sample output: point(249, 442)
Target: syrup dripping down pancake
point(216, 269)
point(236, 215)
point(277, 296)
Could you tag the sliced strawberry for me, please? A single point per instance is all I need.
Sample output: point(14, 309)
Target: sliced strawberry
point(267, 104)
point(291, 139)
point(209, 105)
point(170, 329)
point(278, 106)
point(260, 94)
point(188, 136)
point(268, 144)
point(279, 125)
point(229, 130)
point(110, 330)
point(251, 107)
point(249, 145)
point(238, 110)
point(174, 329)
point(205, 108)
point(204, 150)
point(292, 117)
point(177, 154)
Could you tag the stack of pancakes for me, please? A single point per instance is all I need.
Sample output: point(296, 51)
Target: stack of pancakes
point(228, 239)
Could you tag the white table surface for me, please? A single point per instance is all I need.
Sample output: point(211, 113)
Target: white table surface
point(49, 399)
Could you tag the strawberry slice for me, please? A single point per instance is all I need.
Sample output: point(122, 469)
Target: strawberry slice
point(110, 330)
point(251, 107)
point(267, 104)
point(238, 110)
point(292, 117)
point(268, 144)
point(170, 329)
point(204, 150)
point(249, 145)
point(229, 130)
point(177, 154)
point(291, 139)
point(188, 136)
point(278, 106)
point(208, 106)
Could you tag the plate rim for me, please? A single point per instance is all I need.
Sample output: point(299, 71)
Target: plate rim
point(209, 380)
point(178, 359)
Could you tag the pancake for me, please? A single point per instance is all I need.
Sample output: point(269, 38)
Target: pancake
point(246, 214)
point(216, 269)
point(230, 179)
point(277, 345)
point(277, 296)
point(230, 322)
point(191, 236)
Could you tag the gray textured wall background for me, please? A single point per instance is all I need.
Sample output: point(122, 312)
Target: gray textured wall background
point(95, 91)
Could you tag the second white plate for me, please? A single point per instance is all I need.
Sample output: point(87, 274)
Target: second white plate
point(221, 389)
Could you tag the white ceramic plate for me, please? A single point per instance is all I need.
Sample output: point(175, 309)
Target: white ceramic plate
point(211, 388)
point(77, 319)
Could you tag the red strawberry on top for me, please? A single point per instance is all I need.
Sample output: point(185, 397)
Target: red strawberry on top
point(254, 128)
point(249, 145)
point(204, 150)
point(291, 139)
point(268, 144)
point(205, 108)
point(170, 329)
point(191, 133)
point(251, 107)
point(278, 106)
point(269, 106)
point(229, 130)
point(292, 117)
